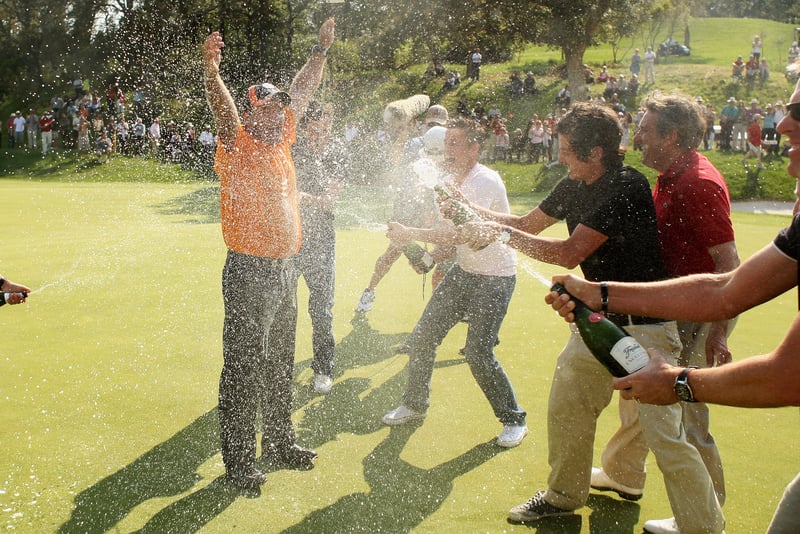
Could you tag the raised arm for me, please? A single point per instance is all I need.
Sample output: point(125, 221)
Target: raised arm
point(309, 77)
point(219, 98)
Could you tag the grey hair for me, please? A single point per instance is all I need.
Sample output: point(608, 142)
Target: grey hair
point(679, 114)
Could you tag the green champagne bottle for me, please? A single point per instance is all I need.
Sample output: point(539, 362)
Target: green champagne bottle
point(461, 212)
point(418, 256)
point(620, 353)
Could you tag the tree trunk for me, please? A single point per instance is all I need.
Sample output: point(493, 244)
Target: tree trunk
point(577, 84)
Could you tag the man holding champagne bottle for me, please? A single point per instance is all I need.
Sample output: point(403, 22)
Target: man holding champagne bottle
point(480, 284)
point(769, 380)
point(609, 211)
point(12, 293)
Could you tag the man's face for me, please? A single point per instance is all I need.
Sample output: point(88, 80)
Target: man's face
point(459, 154)
point(652, 142)
point(582, 171)
point(791, 129)
point(266, 119)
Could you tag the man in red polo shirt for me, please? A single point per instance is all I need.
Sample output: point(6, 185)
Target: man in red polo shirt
point(696, 236)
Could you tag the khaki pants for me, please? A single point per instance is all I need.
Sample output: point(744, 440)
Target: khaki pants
point(625, 453)
point(581, 390)
point(787, 516)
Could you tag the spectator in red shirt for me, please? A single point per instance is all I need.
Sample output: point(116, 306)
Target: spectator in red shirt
point(754, 141)
point(46, 127)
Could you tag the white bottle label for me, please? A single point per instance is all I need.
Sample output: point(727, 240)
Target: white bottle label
point(630, 354)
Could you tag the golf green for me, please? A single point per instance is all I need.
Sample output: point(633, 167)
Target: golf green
point(109, 383)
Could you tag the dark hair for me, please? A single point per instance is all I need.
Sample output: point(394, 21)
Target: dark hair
point(679, 114)
point(588, 125)
point(476, 132)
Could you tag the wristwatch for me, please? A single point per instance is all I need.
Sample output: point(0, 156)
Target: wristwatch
point(682, 388)
point(505, 235)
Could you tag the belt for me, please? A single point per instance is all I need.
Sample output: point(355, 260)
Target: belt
point(623, 320)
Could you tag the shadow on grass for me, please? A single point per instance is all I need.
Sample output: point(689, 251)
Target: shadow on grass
point(612, 515)
point(168, 469)
point(608, 516)
point(24, 163)
point(752, 187)
point(202, 205)
point(402, 495)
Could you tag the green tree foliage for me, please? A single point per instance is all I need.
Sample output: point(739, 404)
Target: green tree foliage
point(37, 39)
point(154, 44)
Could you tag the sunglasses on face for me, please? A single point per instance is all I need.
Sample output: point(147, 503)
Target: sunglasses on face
point(793, 110)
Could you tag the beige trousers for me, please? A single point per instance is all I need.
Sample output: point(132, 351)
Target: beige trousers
point(581, 390)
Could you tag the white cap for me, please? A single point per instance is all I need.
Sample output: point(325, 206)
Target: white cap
point(433, 142)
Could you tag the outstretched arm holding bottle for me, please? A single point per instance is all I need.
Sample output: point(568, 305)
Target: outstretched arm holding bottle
point(12, 293)
point(763, 381)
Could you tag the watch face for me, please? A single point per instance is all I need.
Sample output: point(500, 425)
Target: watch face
point(684, 392)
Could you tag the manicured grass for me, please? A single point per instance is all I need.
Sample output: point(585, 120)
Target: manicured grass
point(110, 377)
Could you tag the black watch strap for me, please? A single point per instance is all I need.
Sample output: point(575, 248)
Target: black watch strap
point(604, 298)
point(682, 388)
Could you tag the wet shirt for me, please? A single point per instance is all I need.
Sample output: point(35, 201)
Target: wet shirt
point(258, 195)
point(618, 205)
point(694, 214)
point(483, 187)
point(315, 174)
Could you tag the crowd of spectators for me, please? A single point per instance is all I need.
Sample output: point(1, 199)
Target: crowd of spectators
point(88, 122)
point(103, 125)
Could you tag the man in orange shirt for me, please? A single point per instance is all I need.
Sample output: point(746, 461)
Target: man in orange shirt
point(261, 229)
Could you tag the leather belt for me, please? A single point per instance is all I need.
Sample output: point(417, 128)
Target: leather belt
point(623, 320)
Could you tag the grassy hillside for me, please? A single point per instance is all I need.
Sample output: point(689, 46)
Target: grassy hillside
point(715, 43)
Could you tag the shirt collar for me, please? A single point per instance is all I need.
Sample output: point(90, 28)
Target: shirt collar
point(679, 166)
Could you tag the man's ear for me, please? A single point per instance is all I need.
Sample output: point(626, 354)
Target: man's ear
point(672, 137)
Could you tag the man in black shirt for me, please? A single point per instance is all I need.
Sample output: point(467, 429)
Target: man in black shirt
point(613, 235)
point(321, 165)
point(765, 381)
